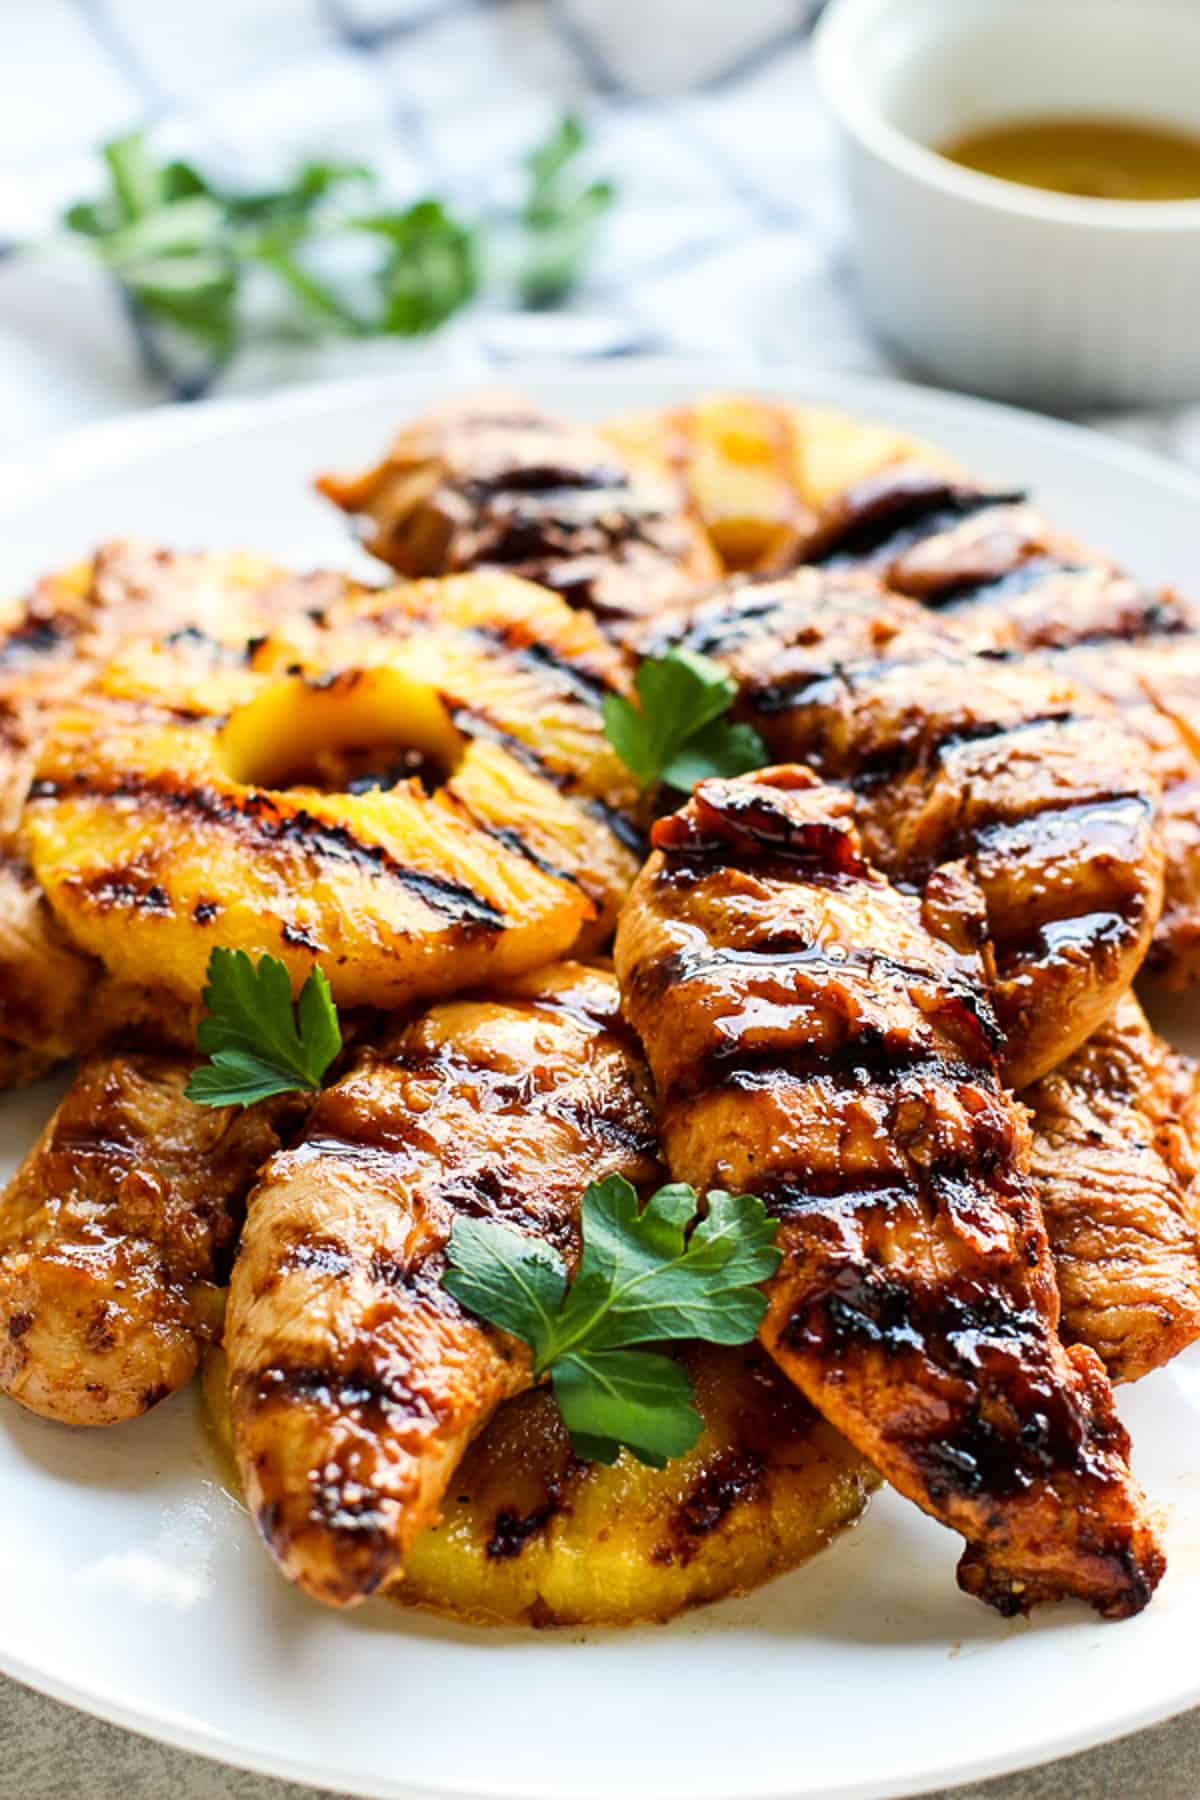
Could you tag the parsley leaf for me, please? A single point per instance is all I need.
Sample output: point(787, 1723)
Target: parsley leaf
point(631, 1399)
point(193, 256)
point(431, 270)
point(561, 215)
point(257, 1043)
point(646, 1275)
point(679, 734)
point(181, 247)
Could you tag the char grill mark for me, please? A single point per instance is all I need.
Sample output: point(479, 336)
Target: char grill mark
point(1116, 1158)
point(511, 838)
point(915, 1304)
point(118, 1230)
point(265, 822)
point(356, 1380)
point(821, 690)
point(1046, 602)
point(32, 640)
point(989, 562)
point(545, 660)
point(1034, 573)
point(1040, 592)
point(889, 512)
point(481, 485)
point(1154, 682)
point(776, 963)
point(778, 637)
point(1011, 767)
point(473, 721)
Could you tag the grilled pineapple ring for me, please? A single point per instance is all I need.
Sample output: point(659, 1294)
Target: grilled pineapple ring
point(531, 1536)
point(174, 808)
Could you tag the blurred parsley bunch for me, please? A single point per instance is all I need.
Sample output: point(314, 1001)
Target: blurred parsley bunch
point(183, 247)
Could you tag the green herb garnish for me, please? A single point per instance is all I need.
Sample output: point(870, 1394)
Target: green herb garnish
point(432, 266)
point(679, 733)
point(562, 215)
point(184, 247)
point(257, 1041)
point(642, 1278)
point(181, 247)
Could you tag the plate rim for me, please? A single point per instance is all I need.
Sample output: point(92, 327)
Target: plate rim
point(57, 459)
point(71, 454)
point(161, 1727)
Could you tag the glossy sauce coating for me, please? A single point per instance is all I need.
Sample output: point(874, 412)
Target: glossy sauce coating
point(116, 1234)
point(357, 1382)
point(1003, 581)
point(494, 482)
point(1007, 766)
point(812, 1041)
point(1116, 1162)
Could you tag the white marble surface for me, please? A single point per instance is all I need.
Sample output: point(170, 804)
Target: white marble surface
point(728, 240)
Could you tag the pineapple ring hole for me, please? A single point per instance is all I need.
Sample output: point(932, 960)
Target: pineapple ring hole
point(349, 732)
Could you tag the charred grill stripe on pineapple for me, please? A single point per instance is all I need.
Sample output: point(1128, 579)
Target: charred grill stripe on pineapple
point(916, 1304)
point(59, 637)
point(264, 820)
point(531, 816)
point(530, 1535)
point(546, 661)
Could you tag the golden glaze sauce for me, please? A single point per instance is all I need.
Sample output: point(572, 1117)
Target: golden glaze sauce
point(1097, 158)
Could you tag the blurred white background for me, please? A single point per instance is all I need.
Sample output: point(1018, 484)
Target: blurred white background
point(725, 237)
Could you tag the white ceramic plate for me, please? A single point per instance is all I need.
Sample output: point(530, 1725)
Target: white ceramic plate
point(132, 1584)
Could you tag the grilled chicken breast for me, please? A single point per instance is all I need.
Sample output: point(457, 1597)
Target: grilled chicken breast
point(936, 536)
point(1001, 580)
point(812, 1041)
point(1154, 681)
point(494, 482)
point(777, 636)
point(114, 1234)
point(1009, 767)
point(1116, 1163)
point(984, 559)
point(356, 1381)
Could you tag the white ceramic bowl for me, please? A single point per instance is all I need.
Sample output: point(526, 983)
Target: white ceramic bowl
point(1000, 288)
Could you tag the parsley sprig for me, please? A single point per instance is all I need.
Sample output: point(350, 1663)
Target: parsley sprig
point(257, 1041)
point(186, 248)
point(644, 1277)
point(561, 215)
point(679, 734)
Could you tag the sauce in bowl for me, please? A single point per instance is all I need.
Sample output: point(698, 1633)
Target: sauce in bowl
point(1095, 158)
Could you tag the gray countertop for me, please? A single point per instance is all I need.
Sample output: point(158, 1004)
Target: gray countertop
point(48, 1752)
